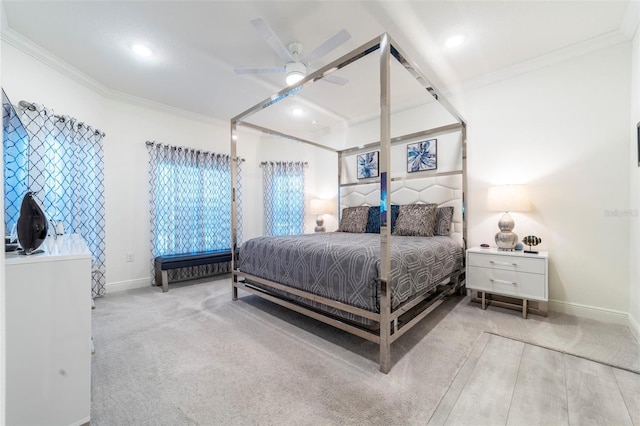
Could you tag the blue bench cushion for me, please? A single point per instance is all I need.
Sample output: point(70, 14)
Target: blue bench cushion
point(175, 261)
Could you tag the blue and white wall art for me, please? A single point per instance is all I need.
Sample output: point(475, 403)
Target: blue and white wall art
point(422, 156)
point(368, 165)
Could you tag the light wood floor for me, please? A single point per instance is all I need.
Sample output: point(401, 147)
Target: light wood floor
point(507, 382)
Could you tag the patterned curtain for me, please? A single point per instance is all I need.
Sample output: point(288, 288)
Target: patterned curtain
point(66, 170)
point(15, 149)
point(283, 187)
point(190, 195)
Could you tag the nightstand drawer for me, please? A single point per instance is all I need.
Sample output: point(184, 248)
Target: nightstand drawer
point(508, 263)
point(510, 283)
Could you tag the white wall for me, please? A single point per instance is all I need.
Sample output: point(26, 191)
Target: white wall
point(563, 130)
point(321, 177)
point(127, 127)
point(634, 194)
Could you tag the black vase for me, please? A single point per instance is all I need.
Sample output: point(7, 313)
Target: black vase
point(32, 225)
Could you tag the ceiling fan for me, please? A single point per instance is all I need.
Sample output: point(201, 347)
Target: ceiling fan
point(296, 66)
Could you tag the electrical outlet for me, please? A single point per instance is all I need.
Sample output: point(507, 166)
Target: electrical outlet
point(129, 257)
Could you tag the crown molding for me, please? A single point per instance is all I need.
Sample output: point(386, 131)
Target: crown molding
point(603, 41)
point(160, 107)
point(33, 50)
point(579, 49)
point(628, 27)
point(28, 47)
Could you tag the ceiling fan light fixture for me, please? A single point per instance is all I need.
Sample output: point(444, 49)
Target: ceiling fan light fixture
point(293, 78)
point(296, 71)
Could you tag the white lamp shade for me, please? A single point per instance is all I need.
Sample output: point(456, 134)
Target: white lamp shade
point(320, 206)
point(509, 198)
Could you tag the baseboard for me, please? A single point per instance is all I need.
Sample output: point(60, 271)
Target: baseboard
point(128, 285)
point(591, 312)
point(634, 327)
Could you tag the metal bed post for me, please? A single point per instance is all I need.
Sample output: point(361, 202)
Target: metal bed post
point(412, 311)
point(340, 160)
point(234, 221)
point(385, 199)
point(464, 184)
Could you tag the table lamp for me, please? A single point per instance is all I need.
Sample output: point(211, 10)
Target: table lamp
point(320, 207)
point(508, 198)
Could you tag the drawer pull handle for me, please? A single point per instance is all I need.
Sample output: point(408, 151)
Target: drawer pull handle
point(503, 263)
point(502, 281)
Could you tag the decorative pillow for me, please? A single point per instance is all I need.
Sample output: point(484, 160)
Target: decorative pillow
point(354, 219)
point(373, 222)
point(395, 211)
point(416, 220)
point(444, 215)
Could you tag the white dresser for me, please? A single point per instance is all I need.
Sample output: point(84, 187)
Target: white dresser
point(514, 274)
point(48, 337)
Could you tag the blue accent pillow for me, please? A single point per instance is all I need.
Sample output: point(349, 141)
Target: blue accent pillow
point(373, 221)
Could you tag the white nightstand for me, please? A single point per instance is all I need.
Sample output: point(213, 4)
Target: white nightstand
point(520, 277)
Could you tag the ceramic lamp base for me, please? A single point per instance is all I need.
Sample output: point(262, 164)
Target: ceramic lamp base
point(505, 239)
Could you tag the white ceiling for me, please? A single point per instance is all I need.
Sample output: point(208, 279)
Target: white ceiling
point(198, 43)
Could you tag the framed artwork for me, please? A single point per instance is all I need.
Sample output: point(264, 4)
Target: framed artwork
point(368, 165)
point(422, 156)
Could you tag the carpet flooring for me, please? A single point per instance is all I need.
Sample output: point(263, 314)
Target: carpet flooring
point(192, 356)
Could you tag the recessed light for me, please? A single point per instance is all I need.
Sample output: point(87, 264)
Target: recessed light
point(454, 41)
point(315, 122)
point(297, 111)
point(141, 50)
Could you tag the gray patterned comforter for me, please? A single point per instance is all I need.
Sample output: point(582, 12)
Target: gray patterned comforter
point(345, 267)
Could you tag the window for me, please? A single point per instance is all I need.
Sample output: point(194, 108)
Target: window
point(61, 161)
point(190, 200)
point(283, 185)
point(15, 148)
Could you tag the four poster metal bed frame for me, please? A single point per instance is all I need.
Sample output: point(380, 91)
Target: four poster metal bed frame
point(392, 324)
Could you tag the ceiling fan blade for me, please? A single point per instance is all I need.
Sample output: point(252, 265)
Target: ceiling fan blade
point(271, 38)
point(335, 80)
point(328, 45)
point(258, 70)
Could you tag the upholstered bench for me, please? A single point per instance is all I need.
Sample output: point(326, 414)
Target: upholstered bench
point(175, 261)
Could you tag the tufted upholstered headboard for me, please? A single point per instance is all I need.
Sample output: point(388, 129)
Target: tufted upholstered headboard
point(442, 190)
